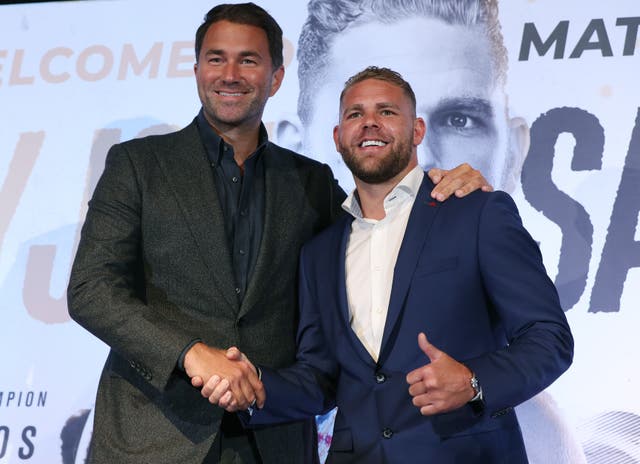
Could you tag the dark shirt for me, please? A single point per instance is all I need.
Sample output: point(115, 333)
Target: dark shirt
point(241, 198)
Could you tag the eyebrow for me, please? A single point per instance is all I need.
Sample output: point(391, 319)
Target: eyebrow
point(381, 105)
point(476, 105)
point(244, 53)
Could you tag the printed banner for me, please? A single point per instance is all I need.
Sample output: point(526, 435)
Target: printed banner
point(546, 105)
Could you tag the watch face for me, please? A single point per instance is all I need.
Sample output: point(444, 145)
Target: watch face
point(474, 383)
point(476, 388)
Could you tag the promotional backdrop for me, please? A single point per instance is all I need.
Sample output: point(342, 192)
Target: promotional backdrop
point(77, 77)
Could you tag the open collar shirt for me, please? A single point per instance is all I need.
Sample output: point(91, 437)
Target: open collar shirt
point(372, 251)
point(241, 196)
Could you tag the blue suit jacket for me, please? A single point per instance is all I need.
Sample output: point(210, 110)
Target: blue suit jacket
point(470, 276)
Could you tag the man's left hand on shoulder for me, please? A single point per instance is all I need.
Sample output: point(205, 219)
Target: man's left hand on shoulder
point(459, 181)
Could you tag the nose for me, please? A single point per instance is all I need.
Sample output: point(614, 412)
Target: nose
point(230, 73)
point(370, 120)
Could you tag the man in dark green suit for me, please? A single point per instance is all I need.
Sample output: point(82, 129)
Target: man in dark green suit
point(190, 245)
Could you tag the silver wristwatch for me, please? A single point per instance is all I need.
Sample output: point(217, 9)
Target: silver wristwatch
point(476, 388)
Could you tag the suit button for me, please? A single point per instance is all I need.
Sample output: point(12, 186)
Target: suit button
point(387, 433)
point(380, 377)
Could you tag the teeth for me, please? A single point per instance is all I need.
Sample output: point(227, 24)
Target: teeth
point(228, 94)
point(369, 143)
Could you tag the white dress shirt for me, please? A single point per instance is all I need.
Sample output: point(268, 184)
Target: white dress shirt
point(372, 251)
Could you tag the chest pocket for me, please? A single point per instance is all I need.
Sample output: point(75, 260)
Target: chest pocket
point(435, 266)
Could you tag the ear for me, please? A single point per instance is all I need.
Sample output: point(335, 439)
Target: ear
point(276, 80)
point(519, 140)
point(419, 130)
point(336, 137)
point(288, 133)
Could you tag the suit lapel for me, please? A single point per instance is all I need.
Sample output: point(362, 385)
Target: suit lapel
point(283, 192)
point(422, 215)
point(189, 176)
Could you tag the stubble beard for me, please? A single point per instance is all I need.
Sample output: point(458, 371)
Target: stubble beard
point(235, 114)
point(387, 167)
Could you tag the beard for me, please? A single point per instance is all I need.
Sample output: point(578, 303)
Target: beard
point(384, 169)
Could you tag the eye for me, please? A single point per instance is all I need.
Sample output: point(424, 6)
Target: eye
point(460, 121)
point(249, 61)
point(463, 118)
point(387, 113)
point(463, 122)
point(215, 60)
point(353, 115)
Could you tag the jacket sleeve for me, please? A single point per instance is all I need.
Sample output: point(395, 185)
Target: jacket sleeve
point(106, 292)
point(306, 388)
point(540, 344)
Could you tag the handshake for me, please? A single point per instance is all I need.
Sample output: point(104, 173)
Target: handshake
point(227, 378)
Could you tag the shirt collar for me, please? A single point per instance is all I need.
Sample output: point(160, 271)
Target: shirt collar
point(406, 189)
point(214, 144)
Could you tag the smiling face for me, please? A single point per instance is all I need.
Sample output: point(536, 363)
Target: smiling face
point(378, 131)
point(235, 76)
point(450, 70)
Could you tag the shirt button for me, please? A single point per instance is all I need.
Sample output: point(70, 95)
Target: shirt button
point(234, 179)
point(243, 212)
point(387, 433)
point(238, 290)
point(380, 377)
point(241, 252)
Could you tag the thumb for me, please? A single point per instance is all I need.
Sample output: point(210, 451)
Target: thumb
point(427, 348)
point(197, 381)
point(234, 354)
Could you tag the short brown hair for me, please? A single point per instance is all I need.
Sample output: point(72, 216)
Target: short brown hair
point(381, 74)
point(248, 14)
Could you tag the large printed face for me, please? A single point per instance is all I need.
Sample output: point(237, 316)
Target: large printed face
point(234, 74)
point(450, 70)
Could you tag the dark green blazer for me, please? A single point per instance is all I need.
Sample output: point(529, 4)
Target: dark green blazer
point(153, 272)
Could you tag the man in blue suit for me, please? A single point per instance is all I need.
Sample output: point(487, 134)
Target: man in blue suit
point(401, 265)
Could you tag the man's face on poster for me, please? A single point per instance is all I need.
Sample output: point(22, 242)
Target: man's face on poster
point(450, 69)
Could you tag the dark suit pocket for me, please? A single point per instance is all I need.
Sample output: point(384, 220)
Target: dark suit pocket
point(434, 266)
point(342, 441)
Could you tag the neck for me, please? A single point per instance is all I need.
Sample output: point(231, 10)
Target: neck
point(243, 138)
point(244, 144)
point(371, 196)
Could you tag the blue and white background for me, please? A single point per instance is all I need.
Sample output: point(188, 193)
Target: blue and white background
point(76, 77)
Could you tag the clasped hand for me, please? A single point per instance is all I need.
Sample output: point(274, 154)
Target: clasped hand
point(219, 390)
point(227, 378)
